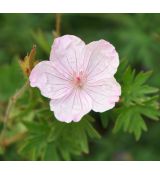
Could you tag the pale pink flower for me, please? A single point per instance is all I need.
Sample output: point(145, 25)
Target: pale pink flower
point(78, 77)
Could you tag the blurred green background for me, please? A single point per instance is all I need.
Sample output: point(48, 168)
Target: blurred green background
point(136, 38)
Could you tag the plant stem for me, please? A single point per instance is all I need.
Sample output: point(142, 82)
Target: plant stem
point(58, 24)
point(10, 105)
point(8, 141)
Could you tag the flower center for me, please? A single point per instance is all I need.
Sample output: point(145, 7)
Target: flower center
point(79, 80)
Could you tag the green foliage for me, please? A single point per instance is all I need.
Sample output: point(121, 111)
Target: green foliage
point(56, 140)
point(138, 100)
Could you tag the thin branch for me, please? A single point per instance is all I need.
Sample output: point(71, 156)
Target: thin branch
point(58, 24)
point(10, 105)
point(8, 141)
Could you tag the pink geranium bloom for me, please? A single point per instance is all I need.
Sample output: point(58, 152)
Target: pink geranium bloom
point(78, 78)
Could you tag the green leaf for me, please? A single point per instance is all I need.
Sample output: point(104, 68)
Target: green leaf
point(51, 152)
point(138, 101)
point(142, 77)
point(130, 121)
point(57, 140)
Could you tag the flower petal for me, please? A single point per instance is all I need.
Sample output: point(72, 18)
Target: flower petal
point(104, 93)
point(67, 52)
point(71, 107)
point(102, 60)
point(51, 82)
